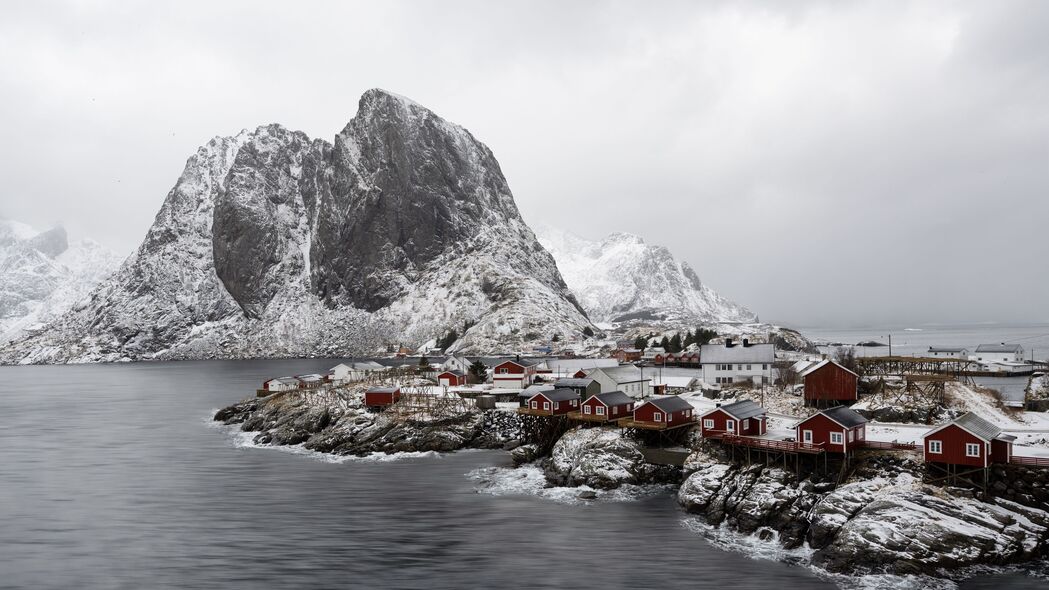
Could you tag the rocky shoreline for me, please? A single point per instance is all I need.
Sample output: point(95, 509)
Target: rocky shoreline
point(880, 520)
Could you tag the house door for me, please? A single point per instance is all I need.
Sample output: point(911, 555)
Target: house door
point(806, 436)
point(730, 425)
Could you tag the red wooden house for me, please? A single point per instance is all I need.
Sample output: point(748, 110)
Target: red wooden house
point(380, 397)
point(968, 440)
point(837, 430)
point(553, 403)
point(580, 374)
point(663, 412)
point(828, 383)
point(514, 374)
point(627, 355)
point(614, 405)
point(744, 418)
point(452, 378)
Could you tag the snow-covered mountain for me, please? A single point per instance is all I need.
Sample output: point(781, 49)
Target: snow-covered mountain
point(623, 279)
point(42, 275)
point(275, 244)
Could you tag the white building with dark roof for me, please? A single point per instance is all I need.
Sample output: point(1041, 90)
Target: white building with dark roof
point(732, 362)
point(951, 352)
point(627, 378)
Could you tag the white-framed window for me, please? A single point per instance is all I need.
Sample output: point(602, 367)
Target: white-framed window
point(972, 450)
point(657, 416)
point(806, 436)
point(935, 447)
point(630, 407)
point(546, 405)
point(535, 405)
point(586, 409)
point(748, 367)
point(765, 367)
point(852, 436)
point(739, 367)
point(730, 425)
point(600, 410)
point(708, 423)
point(835, 438)
point(615, 410)
point(746, 423)
point(504, 371)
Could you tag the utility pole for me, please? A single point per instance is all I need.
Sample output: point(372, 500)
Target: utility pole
point(890, 344)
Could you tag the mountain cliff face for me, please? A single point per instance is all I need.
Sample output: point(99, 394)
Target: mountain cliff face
point(42, 275)
point(622, 279)
point(273, 244)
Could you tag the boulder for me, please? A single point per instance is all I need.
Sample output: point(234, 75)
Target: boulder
point(597, 457)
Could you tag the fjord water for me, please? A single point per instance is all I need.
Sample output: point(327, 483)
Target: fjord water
point(112, 477)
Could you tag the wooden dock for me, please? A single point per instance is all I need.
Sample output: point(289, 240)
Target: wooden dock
point(768, 444)
point(662, 426)
point(592, 418)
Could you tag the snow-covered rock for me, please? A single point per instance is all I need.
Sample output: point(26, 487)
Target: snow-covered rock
point(881, 521)
point(43, 275)
point(623, 279)
point(272, 244)
point(596, 457)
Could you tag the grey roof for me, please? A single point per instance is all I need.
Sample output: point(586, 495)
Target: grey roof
point(1003, 347)
point(583, 382)
point(820, 365)
point(522, 362)
point(622, 374)
point(744, 409)
point(559, 395)
point(455, 372)
point(948, 349)
point(382, 389)
point(737, 353)
point(535, 388)
point(847, 417)
point(976, 425)
point(614, 398)
point(671, 403)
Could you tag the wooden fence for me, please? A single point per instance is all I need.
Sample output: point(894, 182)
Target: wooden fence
point(889, 446)
point(1030, 461)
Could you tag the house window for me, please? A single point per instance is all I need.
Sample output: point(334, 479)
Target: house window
point(586, 409)
point(835, 438)
point(708, 423)
point(546, 405)
point(765, 367)
point(657, 416)
point(935, 447)
point(739, 367)
point(748, 367)
point(746, 424)
point(504, 371)
point(600, 411)
point(730, 425)
point(852, 436)
point(535, 405)
point(972, 450)
point(615, 409)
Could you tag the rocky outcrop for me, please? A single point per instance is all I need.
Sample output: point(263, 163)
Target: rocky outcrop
point(273, 244)
point(601, 458)
point(336, 422)
point(882, 521)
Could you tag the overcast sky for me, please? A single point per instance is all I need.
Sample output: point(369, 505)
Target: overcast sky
point(825, 163)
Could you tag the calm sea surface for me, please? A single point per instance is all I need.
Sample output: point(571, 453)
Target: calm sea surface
point(111, 477)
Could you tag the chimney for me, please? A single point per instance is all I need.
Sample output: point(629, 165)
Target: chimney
point(728, 343)
point(717, 405)
point(746, 342)
point(517, 358)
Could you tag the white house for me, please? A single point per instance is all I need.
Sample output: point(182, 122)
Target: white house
point(675, 383)
point(627, 378)
point(999, 353)
point(281, 384)
point(456, 363)
point(733, 362)
point(347, 372)
point(951, 352)
point(567, 367)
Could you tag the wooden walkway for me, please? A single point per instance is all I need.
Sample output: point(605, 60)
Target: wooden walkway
point(630, 423)
point(768, 444)
point(596, 418)
point(888, 446)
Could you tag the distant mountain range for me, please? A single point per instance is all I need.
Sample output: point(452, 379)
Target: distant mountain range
point(621, 279)
point(272, 244)
point(42, 275)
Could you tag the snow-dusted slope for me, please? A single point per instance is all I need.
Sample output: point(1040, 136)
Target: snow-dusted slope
point(273, 244)
point(42, 275)
point(621, 278)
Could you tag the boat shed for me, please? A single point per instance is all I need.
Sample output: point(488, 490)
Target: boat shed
point(967, 440)
point(744, 417)
point(828, 383)
point(380, 397)
point(837, 430)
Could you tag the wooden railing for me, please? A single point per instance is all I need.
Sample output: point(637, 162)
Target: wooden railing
point(771, 444)
point(888, 446)
point(1030, 461)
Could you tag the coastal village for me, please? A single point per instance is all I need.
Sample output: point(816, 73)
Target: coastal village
point(784, 406)
point(872, 464)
